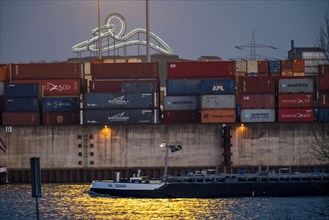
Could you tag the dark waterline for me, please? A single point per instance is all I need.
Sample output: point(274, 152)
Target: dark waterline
point(72, 201)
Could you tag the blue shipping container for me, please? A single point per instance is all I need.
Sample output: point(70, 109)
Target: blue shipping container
point(275, 66)
point(22, 105)
point(21, 90)
point(140, 86)
point(120, 100)
point(177, 87)
point(60, 104)
point(116, 117)
point(218, 86)
point(323, 114)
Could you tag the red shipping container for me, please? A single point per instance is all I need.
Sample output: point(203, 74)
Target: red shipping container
point(105, 86)
point(215, 69)
point(56, 87)
point(324, 82)
point(258, 85)
point(20, 118)
point(295, 115)
point(46, 71)
point(296, 100)
point(263, 68)
point(4, 72)
point(180, 117)
point(257, 101)
point(124, 70)
point(60, 118)
point(324, 99)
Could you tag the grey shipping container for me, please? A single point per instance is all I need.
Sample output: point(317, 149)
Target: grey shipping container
point(2, 88)
point(257, 115)
point(120, 100)
point(180, 103)
point(296, 85)
point(124, 116)
point(217, 101)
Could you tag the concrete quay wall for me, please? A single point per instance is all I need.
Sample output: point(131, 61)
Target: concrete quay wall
point(133, 146)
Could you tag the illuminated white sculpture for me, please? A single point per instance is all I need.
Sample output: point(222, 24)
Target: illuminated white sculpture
point(119, 39)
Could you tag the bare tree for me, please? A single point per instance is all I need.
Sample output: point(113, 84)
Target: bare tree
point(323, 39)
point(319, 143)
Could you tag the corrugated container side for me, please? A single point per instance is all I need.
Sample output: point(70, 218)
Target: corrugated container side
point(200, 69)
point(324, 114)
point(324, 82)
point(20, 118)
point(257, 101)
point(105, 86)
point(258, 85)
point(295, 100)
point(263, 68)
point(125, 70)
point(218, 116)
point(120, 100)
point(60, 104)
point(298, 65)
point(295, 115)
point(2, 88)
point(217, 86)
point(323, 70)
point(124, 116)
point(180, 117)
point(56, 87)
point(152, 86)
point(180, 103)
point(177, 87)
point(257, 115)
point(30, 90)
point(46, 71)
point(296, 85)
point(275, 67)
point(22, 105)
point(60, 118)
point(240, 66)
point(324, 99)
point(4, 72)
point(252, 66)
point(217, 101)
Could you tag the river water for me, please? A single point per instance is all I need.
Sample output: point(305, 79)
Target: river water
point(72, 201)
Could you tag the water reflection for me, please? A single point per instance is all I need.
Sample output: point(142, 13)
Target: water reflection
point(72, 201)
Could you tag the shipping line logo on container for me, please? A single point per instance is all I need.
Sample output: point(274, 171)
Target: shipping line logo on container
point(119, 117)
point(297, 85)
point(254, 116)
point(307, 114)
point(60, 87)
point(218, 88)
point(118, 101)
point(59, 104)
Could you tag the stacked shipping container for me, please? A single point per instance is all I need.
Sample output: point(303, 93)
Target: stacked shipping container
point(122, 94)
point(208, 86)
point(323, 72)
point(296, 100)
point(61, 88)
point(257, 99)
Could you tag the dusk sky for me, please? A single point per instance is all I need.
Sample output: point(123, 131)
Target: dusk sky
point(46, 30)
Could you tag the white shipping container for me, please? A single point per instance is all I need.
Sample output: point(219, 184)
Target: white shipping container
point(241, 66)
point(217, 101)
point(252, 66)
point(257, 115)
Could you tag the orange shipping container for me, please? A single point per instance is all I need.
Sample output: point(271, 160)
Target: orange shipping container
point(4, 72)
point(298, 65)
point(218, 116)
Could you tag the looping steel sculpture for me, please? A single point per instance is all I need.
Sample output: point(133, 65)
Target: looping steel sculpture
point(119, 38)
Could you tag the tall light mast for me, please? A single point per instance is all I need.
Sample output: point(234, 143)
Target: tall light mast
point(148, 56)
point(99, 31)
